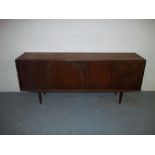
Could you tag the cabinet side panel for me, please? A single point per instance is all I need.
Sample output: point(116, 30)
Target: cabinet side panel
point(141, 72)
point(18, 74)
point(26, 74)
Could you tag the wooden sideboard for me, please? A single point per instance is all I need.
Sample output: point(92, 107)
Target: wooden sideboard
point(80, 72)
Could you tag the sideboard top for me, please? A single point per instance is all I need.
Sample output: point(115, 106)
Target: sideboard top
point(57, 56)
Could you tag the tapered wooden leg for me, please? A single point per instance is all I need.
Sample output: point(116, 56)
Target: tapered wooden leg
point(40, 97)
point(44, 93)
point(120, 97)
point(115, 93)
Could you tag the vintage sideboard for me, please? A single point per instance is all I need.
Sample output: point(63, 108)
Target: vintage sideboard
point(43, 72)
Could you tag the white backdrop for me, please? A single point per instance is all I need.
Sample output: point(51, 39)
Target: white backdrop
point(18, 36)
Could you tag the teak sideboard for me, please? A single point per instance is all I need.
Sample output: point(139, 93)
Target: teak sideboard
point(80, 72)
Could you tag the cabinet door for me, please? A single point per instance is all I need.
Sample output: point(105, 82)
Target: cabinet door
point(35, 75)
point(68, 75)
point(97, 75)
point(46, 75)
point(127, 75)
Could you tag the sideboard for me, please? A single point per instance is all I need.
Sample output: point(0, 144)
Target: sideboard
point(43, 72)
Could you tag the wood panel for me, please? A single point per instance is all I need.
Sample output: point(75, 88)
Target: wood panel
point(46, 75)
point(97, 75)
point(59, 56)
point(35, 75)
point(127, 75)
point(68, 75)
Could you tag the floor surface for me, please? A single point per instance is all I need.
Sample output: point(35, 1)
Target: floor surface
point(77, 113)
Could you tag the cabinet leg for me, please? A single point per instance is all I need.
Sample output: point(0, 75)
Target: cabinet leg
point(120, 97)
point(40, 97)
point(44, 93)
point(115, 93)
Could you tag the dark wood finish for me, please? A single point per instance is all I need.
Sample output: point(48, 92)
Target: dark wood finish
point(58, 56)
point(47, 72)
